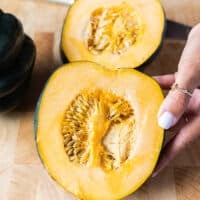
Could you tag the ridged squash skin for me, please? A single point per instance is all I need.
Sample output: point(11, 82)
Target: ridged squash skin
point(20, 70)
point(96, 178)
point(11, 40)
point(17, 59)
point(10, 101)
point(13, 85)
point(149, 39)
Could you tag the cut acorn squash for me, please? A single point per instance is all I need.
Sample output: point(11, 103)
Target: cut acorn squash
point(96, 129)
point(11, 40)
point(114, 33)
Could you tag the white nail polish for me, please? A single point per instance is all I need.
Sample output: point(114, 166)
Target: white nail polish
point(166, 120)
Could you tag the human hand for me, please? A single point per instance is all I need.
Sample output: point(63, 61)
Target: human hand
point(180, 111)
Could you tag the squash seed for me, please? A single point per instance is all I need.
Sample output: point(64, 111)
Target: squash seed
point(81, 121)
point(114, 29)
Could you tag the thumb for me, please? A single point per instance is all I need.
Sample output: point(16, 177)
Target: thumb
point(172, 108)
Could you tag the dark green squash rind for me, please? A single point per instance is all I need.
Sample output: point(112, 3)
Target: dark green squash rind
point(142, 67)
point(23, 67)
point(1, 12)
point(62, 55)
point(35, 120)
point(11, 40)
point(12, 100)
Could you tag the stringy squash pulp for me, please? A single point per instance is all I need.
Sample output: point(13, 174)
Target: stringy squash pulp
point(115, 33)
point(97, 131)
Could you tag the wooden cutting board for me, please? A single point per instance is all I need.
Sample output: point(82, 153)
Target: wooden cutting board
point(22, 176)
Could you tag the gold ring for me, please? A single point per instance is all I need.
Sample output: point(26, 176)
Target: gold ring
point(185, 91)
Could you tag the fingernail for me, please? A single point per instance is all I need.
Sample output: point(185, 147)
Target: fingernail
point(166, 120)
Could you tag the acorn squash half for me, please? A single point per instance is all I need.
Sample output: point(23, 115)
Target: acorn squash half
point(114, 33)
point(96, 129)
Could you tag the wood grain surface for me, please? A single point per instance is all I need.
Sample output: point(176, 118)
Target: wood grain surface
point(22, 176)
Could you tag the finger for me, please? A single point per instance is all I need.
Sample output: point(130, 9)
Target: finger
point(181, 123)
point(189, 65)
point(194, 104)
point(192, 109)
point(181, 105)
point(187, 78)
point(172, 108)
point(185, 136)
point(165, 81)
point(171, 133)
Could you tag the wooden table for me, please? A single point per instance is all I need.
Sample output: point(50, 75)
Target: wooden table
point(22, 176)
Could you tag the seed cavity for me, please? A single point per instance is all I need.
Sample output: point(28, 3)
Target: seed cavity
point(113, 29)
point(98, 129)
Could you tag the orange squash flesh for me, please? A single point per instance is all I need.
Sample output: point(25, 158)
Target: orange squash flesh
point(114, 33)
point(114, 112)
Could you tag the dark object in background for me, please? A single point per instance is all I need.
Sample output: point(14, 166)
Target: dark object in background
point(20, 70)
point(11, 40)
point(17, 58)
point(177, 30)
